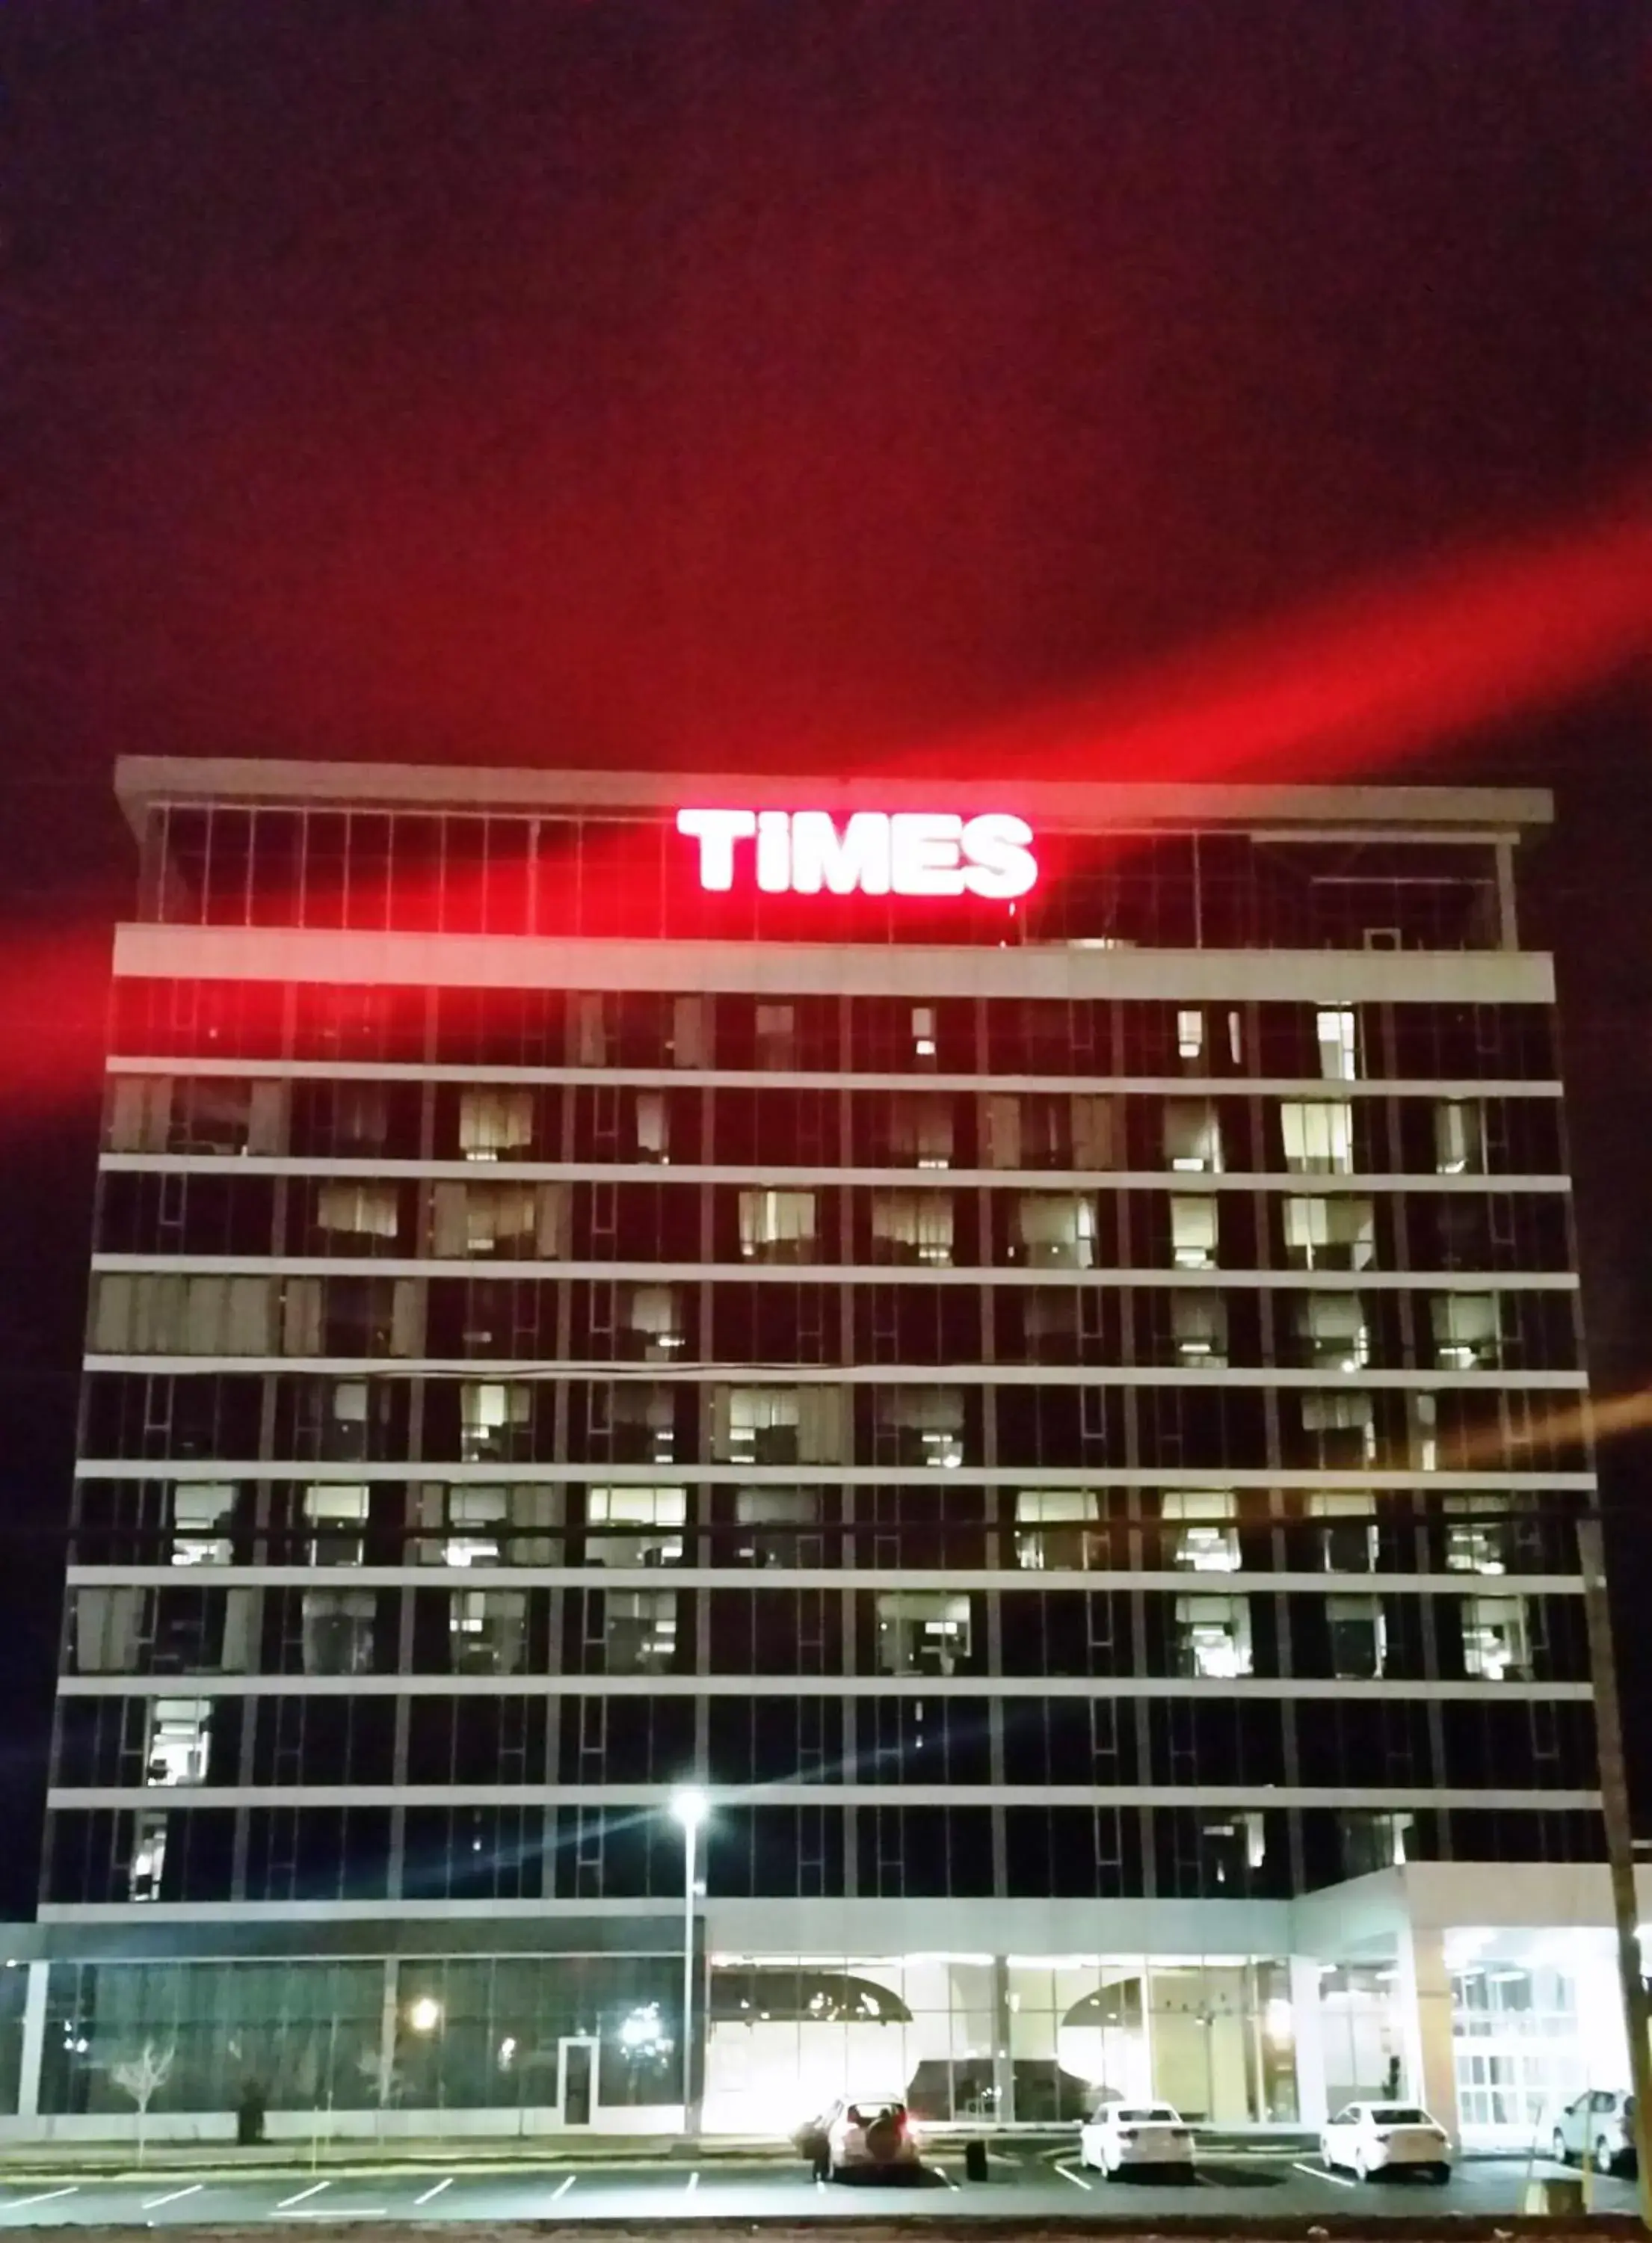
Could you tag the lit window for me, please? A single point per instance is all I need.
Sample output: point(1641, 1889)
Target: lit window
point(1330, 1234)
point(495, 1421)
point(1054, 1229)
point(1189, 1035)
point(495, 1125)
point(1468, 1328)
point(1358, 1635)
point(347, 1209)
point(1424, 1412)
point(339, 1631)
point(200, 1510)
point(762, 1426)
point(1214, 1637)
point(923, 1632)
point(476, 1519)
point(1193, 1230)
point(1205, 1536)
point(653, 1134)
point(1317, 1134)
point(1336, 1030)
point(487, 1631)
point(1496, 1639)
point(1199, 1328)
point(1053, 1528)
point(921, 1128)
point(776, 1037)
point(649, 1521)
point(1331, 1332)
point(639, 1631)
point(178, 1736)
point(1343, 1428)
point(653, 1325)
point(337, 1518)
point(777, 1226)
point(149, 1858)
point(1477, 1542)
point(923, 1031)
point(1192, 1135)
point(1460, 1138)
point(778, 1525)
point(912, 1227)
point(921, 1425)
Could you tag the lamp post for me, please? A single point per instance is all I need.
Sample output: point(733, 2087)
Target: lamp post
point(690, 1807)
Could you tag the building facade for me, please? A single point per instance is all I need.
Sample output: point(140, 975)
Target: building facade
point(1025, 1339)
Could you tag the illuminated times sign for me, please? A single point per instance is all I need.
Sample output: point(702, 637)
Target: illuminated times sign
point(875, 852)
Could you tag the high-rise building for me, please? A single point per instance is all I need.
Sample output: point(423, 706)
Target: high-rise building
point(1024, 1338)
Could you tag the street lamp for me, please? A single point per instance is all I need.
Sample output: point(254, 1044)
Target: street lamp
point(425, 2014)
point(690, 1807)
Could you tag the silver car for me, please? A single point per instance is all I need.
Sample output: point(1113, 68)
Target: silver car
point(1599, 2125)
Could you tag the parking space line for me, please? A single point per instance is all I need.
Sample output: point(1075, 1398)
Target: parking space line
point(45, 2197)
point(1077, 2179)
point(563, 2186)
point(693, 2183)
point(947, 2178)
point(437, 2191)
point(154, 2203)
point(315, 2189)
point(1323, 2173)
point(338, 2212)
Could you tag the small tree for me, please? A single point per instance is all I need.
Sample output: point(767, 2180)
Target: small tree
point(142, 2077)
point(379, 2065)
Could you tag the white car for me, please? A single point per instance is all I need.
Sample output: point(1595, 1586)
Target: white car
point(860, 2134)
point(1598, 2125)
point(1119, 2134)
point(1378, 2137)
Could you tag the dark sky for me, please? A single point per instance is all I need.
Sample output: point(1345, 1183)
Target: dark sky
point(798, 385)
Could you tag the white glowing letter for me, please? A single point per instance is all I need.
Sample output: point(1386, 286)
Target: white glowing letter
point(925, 853)
point(716, 830)
point(821, 858)
point(774, 852)
point(1000, 863)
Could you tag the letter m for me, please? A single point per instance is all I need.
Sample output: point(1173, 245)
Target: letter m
point(822, 858)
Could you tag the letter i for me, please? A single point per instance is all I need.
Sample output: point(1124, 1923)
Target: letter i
point(774, 852)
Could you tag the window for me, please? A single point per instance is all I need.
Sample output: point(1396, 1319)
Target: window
point(1331, 1333)
point(1467, 1331)
point(339, 1631)
point(1198, 1329)
point(495, 1422)
point(1348, 1537)
point(200, 1510)
point(923, 1032)
point(654, 1127)
point(921, 1128)
point(337, 1519)
point(1193, 1230)
point(1192, 1135)
point(1336, 1031)
point(495, 1125)
point(178, 1735)
point(776, 1038)
point(650, 1520)
point(1054, 1229)
point(487, 1631)
point(653, 1327)
point(912, 1227)
point(348, 1210)
point(1053, 1528)
point(777, 1226)
point(499, 1220)
point(1371, 1842)
point(779, 1525)
point(1318, 1135)
point(1204, 1534)
point(1478, 1544)
point(1359, 1637)
point(920, 1426)
point(1497, 1638)
point(476, 1519)
point(1189, 1035)
point(1460, 1138)
point(922, 1631)
point(149, 1858)
point(777, 1424)
point(639, 1631)
point(1213, 1637)
point(1330, 1234)
point(1342, 1429)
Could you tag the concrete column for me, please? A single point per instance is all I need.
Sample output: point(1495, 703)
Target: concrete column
point(1307, 2026)
point(33, 2041)
point(1003, 2045)
point(1422, 1990)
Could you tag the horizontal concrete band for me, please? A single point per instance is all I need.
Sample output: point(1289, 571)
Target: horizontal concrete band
point(781, 970)
point(653, 1796)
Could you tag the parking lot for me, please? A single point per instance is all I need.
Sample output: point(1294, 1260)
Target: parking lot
point(1027, 2180)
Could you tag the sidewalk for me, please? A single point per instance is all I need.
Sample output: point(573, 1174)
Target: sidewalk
point(359, 2157)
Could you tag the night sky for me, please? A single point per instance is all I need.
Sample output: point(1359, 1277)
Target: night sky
point(1062, 387)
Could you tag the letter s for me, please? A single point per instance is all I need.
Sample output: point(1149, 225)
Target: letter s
point(999, 859)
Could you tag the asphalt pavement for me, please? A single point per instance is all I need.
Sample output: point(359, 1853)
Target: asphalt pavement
point(1026, 2181)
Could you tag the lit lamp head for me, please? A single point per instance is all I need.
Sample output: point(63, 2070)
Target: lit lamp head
point(425, 2014)
point(689, 1806)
